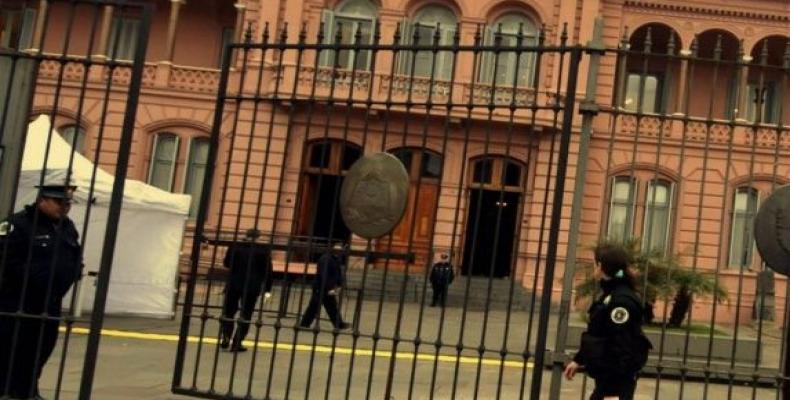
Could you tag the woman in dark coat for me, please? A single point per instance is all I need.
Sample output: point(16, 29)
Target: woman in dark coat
point(614, 348)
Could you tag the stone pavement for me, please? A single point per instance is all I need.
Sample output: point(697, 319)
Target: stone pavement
point(136, 361)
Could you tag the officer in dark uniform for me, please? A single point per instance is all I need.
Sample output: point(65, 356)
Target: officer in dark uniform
point(40, 259)
point(614, 348)
point(250, 267)
point(442, 276)
point(327, 284)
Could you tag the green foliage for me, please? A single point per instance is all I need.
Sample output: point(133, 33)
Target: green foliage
point(658, 276)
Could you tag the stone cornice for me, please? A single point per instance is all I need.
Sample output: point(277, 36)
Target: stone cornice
point(718, 12)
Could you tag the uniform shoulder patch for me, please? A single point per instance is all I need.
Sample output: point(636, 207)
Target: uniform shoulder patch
point(619, 315)
point(6, 228)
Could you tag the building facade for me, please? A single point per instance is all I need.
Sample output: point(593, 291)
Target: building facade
point(681, 153)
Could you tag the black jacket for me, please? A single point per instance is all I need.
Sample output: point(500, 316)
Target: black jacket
point(55, 254)
point(614, 344)
point(329, 275)
point(442, 273)
point(250, 263)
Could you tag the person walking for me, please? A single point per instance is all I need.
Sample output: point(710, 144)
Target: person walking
point(40, 259)
point(613, 348)
point(250, 267)
point(327, 284)
point(442, 275)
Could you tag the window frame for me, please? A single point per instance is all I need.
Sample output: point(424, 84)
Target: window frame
point(659, 106)
point(153, 159)
point(124, 51)
point(770, 104)
point(647, 214)
point(20, 36)
point(185, 187)
point(330, 19)
point(489, 60)
point(633, 194)
point(750, 249)
point(441, 62)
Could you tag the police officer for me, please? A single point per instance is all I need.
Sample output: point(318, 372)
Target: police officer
point(614, 348)
point(442, 276)
point(40, 259)
point(250, 267)
point(327, 284)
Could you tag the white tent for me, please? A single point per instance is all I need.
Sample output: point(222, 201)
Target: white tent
point(150, 232)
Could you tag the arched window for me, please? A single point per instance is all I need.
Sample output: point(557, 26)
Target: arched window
point(196, 170)
point(348, 18)
point(427, 23)
point(744, 209)
point(508, 68)
point(163, 161)
point(651, 221)
point(74, 135)
point(621, 208)
point(655, 232)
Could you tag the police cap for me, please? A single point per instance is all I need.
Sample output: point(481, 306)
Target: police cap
point(56, 191)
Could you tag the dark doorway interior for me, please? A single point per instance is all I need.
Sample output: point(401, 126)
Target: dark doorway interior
point(323, 221)
point(480, 236)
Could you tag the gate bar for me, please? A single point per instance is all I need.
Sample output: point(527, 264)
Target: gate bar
point(116, 201)
point(556, 218)
point(588, 108)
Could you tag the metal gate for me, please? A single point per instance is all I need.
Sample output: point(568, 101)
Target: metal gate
point(513, 178)
point(56, 54)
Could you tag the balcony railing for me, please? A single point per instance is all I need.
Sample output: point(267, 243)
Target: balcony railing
point(715, 133)
point(155, 75)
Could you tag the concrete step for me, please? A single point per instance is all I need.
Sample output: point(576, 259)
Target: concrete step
point(391, 287)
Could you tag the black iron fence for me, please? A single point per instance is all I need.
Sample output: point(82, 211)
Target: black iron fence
point(47, 61)
point(514, 184)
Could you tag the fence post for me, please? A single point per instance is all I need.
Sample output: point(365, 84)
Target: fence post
point(588, 108)
point(556, 219)
point(114, 213)
point(16, 98)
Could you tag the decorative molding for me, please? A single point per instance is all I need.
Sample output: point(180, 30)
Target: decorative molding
point(697, 10)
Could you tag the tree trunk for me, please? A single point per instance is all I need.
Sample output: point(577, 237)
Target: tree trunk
point(680, 307)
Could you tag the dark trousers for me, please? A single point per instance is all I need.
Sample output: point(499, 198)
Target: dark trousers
point(236, 299)
point(439, 293)
point(330, 305)
point(21, 381)
point(623, 388)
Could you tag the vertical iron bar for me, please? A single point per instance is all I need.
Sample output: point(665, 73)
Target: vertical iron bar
point(202, 215)
point(589, 110)
point(114, 212)
point(556, 219)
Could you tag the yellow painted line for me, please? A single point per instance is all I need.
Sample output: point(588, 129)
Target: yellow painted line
point(401, 355)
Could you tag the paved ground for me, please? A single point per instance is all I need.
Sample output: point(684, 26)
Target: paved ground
point(137, 358)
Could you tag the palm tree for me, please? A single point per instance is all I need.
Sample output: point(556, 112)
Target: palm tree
point(658, 277)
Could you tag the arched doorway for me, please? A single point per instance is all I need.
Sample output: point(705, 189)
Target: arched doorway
point(495, 195)
point(425, 172)
point(324, 167)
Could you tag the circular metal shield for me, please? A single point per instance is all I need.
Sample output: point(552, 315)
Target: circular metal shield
point(772, 230)
point(374, 195)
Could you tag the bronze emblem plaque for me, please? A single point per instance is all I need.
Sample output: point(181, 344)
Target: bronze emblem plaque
point(374, 195)
point(772, 230)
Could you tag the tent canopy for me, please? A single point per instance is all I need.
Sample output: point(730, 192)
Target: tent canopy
point(150, 231)
point(51, 152)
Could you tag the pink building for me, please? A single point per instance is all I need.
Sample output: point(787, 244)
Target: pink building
point(682, 185)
